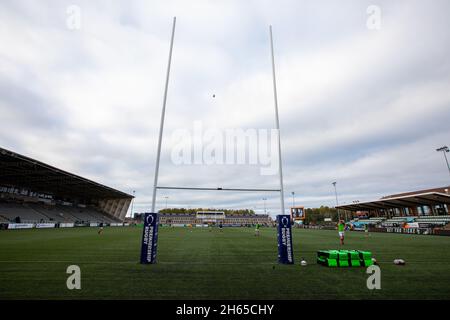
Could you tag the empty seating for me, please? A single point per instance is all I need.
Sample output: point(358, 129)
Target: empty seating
point(37, 213)
point(27, 215)
point(436, 220)
point(371, 221)
point(53, 213)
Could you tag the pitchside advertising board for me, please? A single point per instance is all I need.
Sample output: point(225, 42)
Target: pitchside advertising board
point(45, 225)
point(149, 238)
point(20, 225)
point(66, 225)
point(284, 234)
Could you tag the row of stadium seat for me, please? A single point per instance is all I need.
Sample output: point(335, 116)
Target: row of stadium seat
point(398, 221)
point(438, 220)
point(35, 213)
point(54, 213)
point(441, 218)
point(369, 221)
point(27, 215)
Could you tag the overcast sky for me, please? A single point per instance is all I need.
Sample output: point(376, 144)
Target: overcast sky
point(81, 88)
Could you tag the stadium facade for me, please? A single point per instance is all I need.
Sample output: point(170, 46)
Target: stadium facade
point(35, 193)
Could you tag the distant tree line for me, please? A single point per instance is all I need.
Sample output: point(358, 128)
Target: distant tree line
point(318, 215)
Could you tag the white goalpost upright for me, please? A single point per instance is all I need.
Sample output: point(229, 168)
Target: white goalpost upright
point(277, 123)
point(161, 130)
point(163, 114)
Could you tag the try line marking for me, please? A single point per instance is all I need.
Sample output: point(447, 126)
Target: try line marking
point(137, 262)
point(182, 262)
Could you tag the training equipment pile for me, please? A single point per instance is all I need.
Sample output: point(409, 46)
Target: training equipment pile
point(344, 258)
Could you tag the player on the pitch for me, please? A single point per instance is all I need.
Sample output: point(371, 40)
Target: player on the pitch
point(100, 229)
point(341, 228)
point(257, 230)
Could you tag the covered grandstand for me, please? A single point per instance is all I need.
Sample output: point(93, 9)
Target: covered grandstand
point(423, 211)
point(32, 192)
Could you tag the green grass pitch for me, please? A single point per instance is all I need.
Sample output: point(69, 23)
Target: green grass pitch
point(198, 264)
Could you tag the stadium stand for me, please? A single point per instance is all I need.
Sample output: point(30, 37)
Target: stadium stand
point(430, 202)
point(421, 211)
point(34, 192)
point(399, 221)
point(38, 213)
point(201, 218)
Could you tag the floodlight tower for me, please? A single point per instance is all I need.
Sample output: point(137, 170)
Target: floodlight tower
point(293, 198)
point(166, 197)
point(132, 203)
point(444, 150)
point(265, 211)
point(337, 202)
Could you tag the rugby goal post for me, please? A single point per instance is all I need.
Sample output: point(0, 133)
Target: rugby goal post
point(149, 239)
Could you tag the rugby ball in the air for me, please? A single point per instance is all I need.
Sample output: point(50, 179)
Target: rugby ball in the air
point(303, 263)
point(399, 262)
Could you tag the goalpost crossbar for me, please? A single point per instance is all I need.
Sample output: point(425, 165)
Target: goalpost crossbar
point(220, 189)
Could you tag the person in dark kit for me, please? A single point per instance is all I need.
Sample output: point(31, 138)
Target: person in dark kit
point(100, 230)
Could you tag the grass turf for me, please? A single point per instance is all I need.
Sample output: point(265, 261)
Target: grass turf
point(198, 264)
